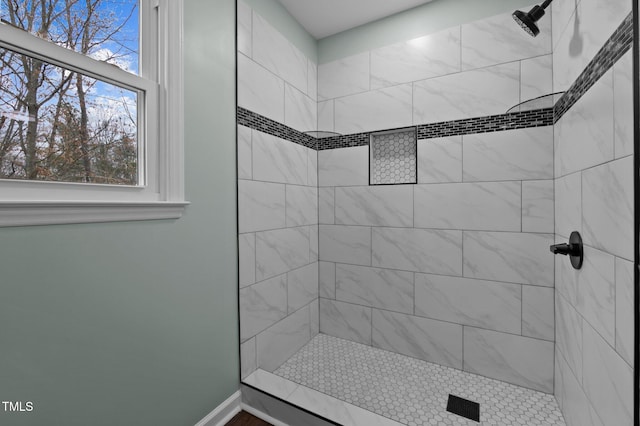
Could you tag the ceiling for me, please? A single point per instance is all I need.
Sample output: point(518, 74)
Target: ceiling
point(322, 18)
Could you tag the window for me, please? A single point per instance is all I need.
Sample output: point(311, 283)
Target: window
point(90, 111)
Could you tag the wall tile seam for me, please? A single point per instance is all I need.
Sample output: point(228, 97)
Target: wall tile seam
point(579, 381)
point(372, 308)
point(283, 274)
point(437, 275)
point(583, 319)
point(280, 320)
point(547, 233)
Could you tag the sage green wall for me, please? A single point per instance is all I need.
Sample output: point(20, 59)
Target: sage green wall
point(136, 323)
point(281, 19)
point(416, 22)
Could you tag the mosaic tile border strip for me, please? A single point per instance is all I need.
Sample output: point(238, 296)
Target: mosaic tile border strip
point(617, 45)
point(266, 125)
point(492, 123)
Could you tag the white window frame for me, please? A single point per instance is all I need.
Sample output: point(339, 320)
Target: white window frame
point(160, 193)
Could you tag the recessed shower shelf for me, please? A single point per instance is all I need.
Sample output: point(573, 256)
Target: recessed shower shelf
point(393, 157)
point(541, 102)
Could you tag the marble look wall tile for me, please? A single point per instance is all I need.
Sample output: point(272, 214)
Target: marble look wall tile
point(273, 51)
point(587, 128)
point(259, 90)
point(522, 154)
point(302, 287)
point(326, 205)
point(312, 80)
point(494, 206)
point(378, 288)
point(440, 160)
point(247, 255)
point(314, 244)
point(426, 339)
point(312, 167)
point(623, 105)
point(344, 166)
point(537, 206)
point(244, 28)
point(576, 408)
point(346, 244)
point(281, 251)
point(538, 312)
point(269, 382)
point(278, 160)
point(596, 292)
point(569, 334)
point(336, 410)
point(343, 77)
point(511, 257)
point(484, 42)
point(300, 111)
point(314, 317)
point(587, 31)
point(277, 343)
point(607, 380)
point(485, 304)
point(325, 116)
point(245, 166)
point(375, 110)
point(419, 250)
point(568, 204)
point(248, 357)
point(624, 310)
point(607, 207)
point(302, 205)
point(262, 305)
point(536, 77)
point(345, 320)
point(327, 280)
point(566, 277)
point(261, 206)
point(476, 93)
point(417, 59)
point(374, 206)
point(514, 359)
point(562, 12)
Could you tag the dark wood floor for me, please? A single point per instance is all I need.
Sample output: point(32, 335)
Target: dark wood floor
point(245, 419)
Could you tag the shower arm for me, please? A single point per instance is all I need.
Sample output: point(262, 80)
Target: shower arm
point(546, 4)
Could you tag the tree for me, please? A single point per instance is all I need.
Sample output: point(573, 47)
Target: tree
point(52, 120)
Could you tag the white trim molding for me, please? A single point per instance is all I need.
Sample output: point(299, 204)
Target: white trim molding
point(223, 412)
point(27, 213)
point(160, 192)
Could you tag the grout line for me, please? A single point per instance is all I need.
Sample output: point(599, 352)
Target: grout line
point(440, 320)
point(434, 274)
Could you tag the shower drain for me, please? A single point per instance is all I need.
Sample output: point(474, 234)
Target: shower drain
point(463, 407)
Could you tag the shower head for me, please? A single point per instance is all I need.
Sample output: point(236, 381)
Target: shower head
point(528, 20)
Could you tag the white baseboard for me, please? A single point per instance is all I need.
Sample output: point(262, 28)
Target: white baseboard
point(259, 414)
point(223, 412)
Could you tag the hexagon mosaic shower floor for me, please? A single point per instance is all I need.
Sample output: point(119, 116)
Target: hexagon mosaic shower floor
point(412, 391)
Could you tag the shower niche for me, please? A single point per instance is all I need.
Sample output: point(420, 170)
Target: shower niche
point(393, 157)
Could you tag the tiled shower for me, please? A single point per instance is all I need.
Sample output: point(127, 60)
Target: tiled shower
point(432, 252)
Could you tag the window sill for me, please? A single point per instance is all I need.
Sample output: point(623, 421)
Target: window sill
point(30, 213)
